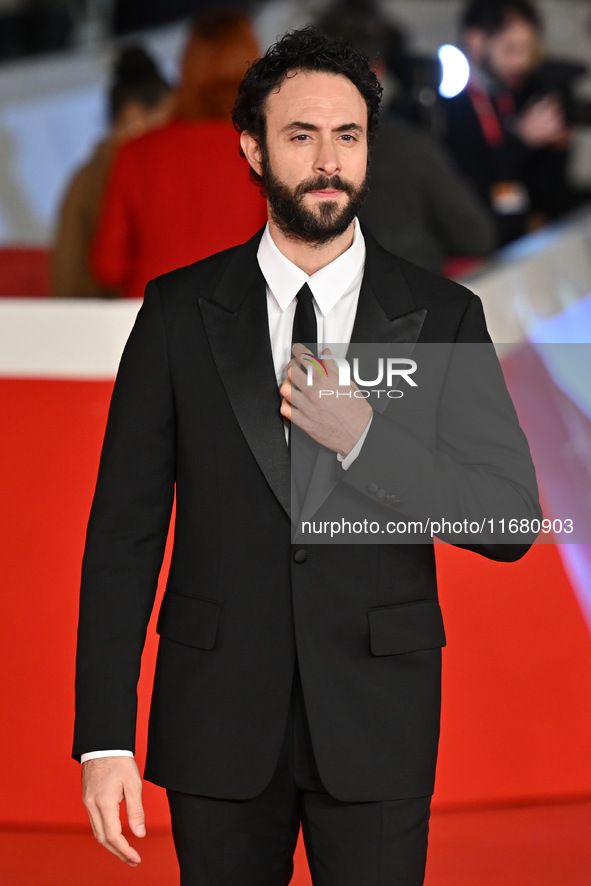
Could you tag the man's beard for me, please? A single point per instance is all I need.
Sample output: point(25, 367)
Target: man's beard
point(314, 226)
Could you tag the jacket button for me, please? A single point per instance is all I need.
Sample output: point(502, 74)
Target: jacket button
point(300, 556)
point(372, 488)
point(381, 494)
point(394, 500)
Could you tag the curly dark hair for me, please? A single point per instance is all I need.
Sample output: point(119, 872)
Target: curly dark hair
point(306, 49)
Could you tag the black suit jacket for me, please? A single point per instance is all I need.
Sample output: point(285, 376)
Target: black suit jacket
point(196, 407)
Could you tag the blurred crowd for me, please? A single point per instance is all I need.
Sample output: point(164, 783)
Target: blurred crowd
point(451, 178)
point(174, 188)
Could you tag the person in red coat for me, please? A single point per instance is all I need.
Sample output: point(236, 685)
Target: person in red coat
point(182, 192)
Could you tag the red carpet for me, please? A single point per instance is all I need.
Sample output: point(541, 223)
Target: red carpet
point(535, 845)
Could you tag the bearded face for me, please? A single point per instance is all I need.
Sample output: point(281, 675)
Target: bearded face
point(317, 224)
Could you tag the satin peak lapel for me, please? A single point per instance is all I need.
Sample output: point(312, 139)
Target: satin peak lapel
point(236, 323)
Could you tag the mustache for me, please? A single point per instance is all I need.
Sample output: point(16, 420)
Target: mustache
point(322, 183)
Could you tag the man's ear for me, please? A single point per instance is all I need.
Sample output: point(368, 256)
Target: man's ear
point(252, 151)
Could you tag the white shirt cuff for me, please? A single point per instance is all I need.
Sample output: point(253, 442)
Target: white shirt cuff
point(95, 755)
point(347, 460)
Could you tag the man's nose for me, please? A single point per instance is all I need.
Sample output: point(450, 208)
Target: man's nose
point(327, 160)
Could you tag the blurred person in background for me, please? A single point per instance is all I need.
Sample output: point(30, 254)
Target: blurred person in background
point(512, 143)
point(139, 99)
point(181, 193)
point(418, 206)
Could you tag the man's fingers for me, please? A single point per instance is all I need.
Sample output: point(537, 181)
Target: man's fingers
point(116, 843)
point(135, 810)
point(285, 390)
point(96, 830)
point(297, 399)
point(297, 349)
point(285, 409)
point(297, 373)
point(290, 392)
point(106, 827)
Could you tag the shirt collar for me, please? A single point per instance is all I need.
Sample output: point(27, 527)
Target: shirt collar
point(328, 285)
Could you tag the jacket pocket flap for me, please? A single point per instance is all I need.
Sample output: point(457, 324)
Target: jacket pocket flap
point(189, 620)
point(405, 627)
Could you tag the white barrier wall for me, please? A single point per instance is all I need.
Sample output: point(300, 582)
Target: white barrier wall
point(537, 289)
point(63, 338)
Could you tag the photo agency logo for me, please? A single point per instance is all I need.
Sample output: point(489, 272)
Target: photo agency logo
point(388, 371)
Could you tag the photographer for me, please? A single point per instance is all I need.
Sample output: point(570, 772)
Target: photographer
point(510, 137)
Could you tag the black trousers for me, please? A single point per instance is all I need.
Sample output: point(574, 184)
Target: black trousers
point(252, 842)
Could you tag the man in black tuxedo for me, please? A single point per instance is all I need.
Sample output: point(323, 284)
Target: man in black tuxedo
point(295, 683)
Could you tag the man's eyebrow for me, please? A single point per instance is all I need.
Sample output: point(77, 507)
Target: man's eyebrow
point(348, 127)
point(310, 127)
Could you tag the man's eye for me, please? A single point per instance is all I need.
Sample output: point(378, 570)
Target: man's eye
point(346, 136)
point(301, 137)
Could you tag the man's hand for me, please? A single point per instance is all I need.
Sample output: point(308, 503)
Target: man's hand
point(335, 420)
point(542, 124)
point(106, 782)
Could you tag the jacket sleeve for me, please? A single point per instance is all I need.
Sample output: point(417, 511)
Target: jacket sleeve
point(476, 465)
point(126, 537)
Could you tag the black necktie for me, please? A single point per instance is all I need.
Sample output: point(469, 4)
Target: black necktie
point(304, 323)
point(303, 448)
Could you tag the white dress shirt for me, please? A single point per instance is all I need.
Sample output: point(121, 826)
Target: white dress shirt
point(335, 288)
